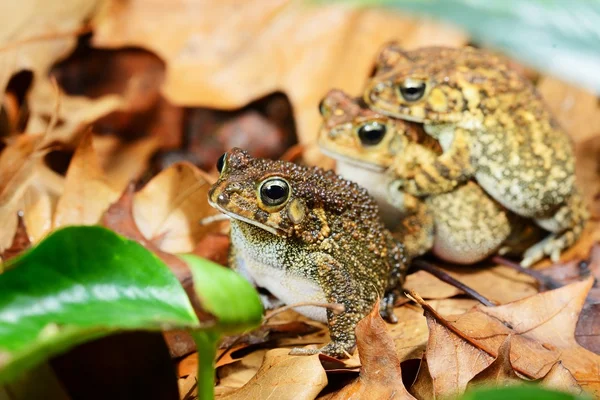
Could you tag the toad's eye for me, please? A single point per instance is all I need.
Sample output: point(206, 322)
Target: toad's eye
point(412, 90)
point(221, 162)
point(274, 192)
point(322, 108)
point(371, 133)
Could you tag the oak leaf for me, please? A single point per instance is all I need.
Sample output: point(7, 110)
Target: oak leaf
point(282, 376)
point(541, 327)
point(380, 374)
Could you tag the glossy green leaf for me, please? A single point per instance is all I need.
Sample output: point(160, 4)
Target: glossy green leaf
point(559, 37)
point(225, 294)
point(521, 392)
point(78, 284)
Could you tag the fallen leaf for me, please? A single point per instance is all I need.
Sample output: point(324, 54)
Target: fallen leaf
point(121, 162)
point(233, 376)
point(295, 48)
point(34, 34)
point(20, 162)
point(542, 329)
point(20, 242)
point(87, 193)
point(380, 374)
point(560, 378)
point(587, 332)
point(497, 283)
point(422, 388)
point(451, 361)
point(282, 376)
point(500, 372)
point(169, 208)
point(119, 218)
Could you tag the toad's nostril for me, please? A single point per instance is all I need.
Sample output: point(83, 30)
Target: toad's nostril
point(233, 188)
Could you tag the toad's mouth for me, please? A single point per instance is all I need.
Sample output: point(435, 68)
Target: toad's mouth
point(237, 217)
point(353, 161)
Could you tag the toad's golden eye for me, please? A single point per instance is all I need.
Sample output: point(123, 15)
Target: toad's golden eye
point(221, 162)
point(371, 133)
point(274, 192)
point(412, 90)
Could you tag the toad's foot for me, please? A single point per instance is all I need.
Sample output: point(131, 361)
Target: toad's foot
point(333, 349)
point(386, 308)
point(551, 246)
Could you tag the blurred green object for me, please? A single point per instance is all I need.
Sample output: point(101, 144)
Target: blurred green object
point(84, 282)
point(558, 37)
point(78, 284)
point(519, 392)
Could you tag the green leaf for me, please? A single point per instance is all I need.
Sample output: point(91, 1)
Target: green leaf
point(225, 294)
point(520, 392)
point(556, 36)
point(81, 283)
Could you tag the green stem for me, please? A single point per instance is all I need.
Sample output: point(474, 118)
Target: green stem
point(206, 345)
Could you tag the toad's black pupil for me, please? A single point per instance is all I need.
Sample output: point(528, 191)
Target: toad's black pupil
point(274, 192)
point(221, 162)
point(413, 92)
point(371, 134)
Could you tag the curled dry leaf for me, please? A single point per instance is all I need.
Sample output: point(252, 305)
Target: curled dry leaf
point(542, 328)
point(380, 374)
point(87, 194)
point(169, 208)
point(282, 376)
point(451, 360)
point(500, 372)
point(296, 48)
point(17, 164)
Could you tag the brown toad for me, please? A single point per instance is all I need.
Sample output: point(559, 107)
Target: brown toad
point(463, 226)
point(492, 125)
point(306, 234)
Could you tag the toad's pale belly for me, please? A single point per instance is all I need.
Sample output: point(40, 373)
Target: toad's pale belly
point(287, 287)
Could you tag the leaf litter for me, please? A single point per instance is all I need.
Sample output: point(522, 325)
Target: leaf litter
point(530, 336)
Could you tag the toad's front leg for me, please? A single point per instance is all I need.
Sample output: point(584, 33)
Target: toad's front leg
point(338, 287)
point(423, 173)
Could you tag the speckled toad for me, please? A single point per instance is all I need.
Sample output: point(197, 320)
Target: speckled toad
point(306, 234)
point(464, 225)
point(493, 125)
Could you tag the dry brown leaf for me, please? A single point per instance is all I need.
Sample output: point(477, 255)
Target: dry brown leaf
point(20, 163)
point(410, 333)
point(451, 361)
point(75, 113)
point(380, 375)
point(422, 387)
point(87, 194)
point(296, 48)
point(497, 283)
point(169, 208)
point(36, 33)
point(234, 375)
point(542, 329)
point(500, 372)
point(560, 378)
point(124, 162)
point(282, 376)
